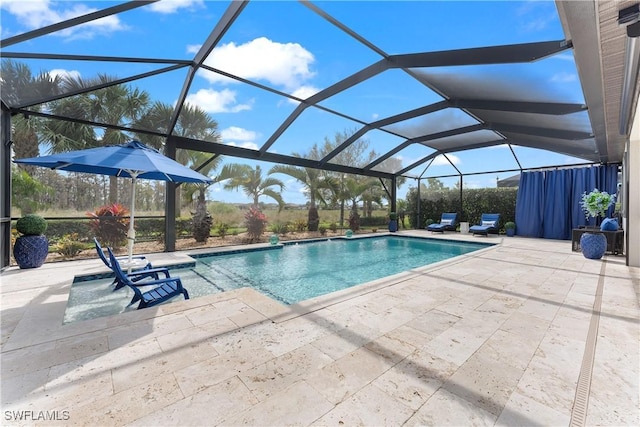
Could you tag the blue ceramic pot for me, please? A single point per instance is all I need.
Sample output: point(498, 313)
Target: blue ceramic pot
point(393, 225)
point(593, 245)
point(31, 251)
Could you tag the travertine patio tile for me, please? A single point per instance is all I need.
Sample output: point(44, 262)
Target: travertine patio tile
point(241, 355)
point(342, 378)
point(146, 329)
point(508, 348)
point(368, 407)
point(552, 374)
point(416, 378)
point(484, 382)
point(390, 348)
point(196, 335)
point(284, 408)
point(525, 325)
point(20, 388)
point(209, 406)
point(293, 334)
point(523, 411)
point(446, 409)
point(409, 336)
point(141, 371)
point(212, 312)
point(129, 405)
point(246, 316)
point(345, 340)
point(277, 374)
point(455, 345)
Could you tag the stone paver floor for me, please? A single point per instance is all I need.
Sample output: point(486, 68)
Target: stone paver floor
point(523, 333)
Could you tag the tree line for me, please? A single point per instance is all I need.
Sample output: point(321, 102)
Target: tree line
point(128, 107)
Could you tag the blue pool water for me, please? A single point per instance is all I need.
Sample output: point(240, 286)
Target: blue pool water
point(296, 272)
point(288, 273)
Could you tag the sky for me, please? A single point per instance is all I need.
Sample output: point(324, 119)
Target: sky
point(286, 47)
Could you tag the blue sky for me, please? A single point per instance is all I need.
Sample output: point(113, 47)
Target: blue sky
point(285, 46)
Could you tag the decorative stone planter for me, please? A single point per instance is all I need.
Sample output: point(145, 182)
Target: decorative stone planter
point(593, 245)
point(31, 251)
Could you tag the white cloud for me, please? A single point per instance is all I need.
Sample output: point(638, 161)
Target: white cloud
point(238, 134)
point(564, 77)
point(41, 13)
point(285, 65)
point(64, 73)
point(171, 6)
point(213, 101)
point(303, 92)
point(375, 116)
point(441, 161)
point(246, 144)
point(476, 184)
point(564, 56)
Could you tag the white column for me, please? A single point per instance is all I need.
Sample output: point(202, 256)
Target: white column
point(632, 223)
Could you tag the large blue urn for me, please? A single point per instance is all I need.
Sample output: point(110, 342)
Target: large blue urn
point(31, 251)
point(593, 245)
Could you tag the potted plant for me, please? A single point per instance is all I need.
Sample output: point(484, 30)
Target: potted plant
point(510, 228)
point(32, 247)
point(393, 222)
point(595, 204)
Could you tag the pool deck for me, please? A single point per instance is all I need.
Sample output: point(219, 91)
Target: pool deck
point(523, 333)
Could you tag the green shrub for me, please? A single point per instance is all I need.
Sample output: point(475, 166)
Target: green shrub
point(279, 228)
point(509, 225)
point(299, 225)
point(222, 229)
point(333, 227)
point(428, 222)
point(393, 216)
point(31, 225)
point(323, 230)
point(69, 245)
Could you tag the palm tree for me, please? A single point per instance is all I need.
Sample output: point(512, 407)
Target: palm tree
point(115, 105)
point(20, 86)
point(253, 185)
point(193, 122)
point(314, 181)
point(355, 189)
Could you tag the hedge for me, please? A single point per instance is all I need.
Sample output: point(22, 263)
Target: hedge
point(475, 202)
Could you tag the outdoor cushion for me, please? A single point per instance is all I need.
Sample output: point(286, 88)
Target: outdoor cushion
point(447, 223)
point(609, 224)
point(488, 224)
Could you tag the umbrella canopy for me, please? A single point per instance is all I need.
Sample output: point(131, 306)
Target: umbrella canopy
point(132, 160)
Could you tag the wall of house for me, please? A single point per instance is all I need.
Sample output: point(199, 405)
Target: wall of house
point(632, 220)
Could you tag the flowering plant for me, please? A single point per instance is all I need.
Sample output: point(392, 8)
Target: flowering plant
point(596, 203)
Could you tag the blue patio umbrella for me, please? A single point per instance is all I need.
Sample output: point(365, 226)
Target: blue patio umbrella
point(132, 160)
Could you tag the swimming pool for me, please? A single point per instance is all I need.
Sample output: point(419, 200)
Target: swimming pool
point(295, 272)
point(289, 273)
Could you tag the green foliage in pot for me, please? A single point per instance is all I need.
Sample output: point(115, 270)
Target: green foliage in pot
point(596, 203)
point(393, 216)
point(31, 225)
point(509, 225)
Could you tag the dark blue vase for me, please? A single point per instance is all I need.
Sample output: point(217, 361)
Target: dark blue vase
point(31, 251)
point(393, 225)
point(593, 245)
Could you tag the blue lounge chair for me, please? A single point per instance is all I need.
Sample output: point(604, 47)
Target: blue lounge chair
point(448, 222)
point(161, 290)
point(488, 224)
point(147, 268)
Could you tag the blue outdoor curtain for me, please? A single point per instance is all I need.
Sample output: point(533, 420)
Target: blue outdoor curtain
point(530, 204)
point(548, 203)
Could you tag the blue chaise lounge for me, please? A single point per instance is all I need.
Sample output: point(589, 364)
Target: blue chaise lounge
point(448, 222)
point(161, 290)
point(488, 224)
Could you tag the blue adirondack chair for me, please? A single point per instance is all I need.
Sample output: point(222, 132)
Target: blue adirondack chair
point(144, 270)
point(161, 289)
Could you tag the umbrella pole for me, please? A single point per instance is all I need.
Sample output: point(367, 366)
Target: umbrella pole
point(131, 236)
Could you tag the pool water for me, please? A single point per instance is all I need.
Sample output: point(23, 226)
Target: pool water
point(289, 273)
